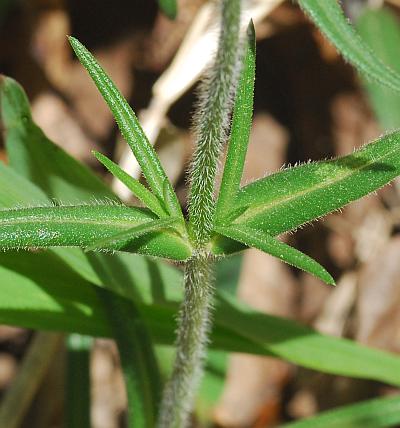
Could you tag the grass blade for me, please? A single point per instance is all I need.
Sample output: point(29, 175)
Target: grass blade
point(81, 226)
point(377, 413)
point(240, 131)
point(287, 199)
point(127, 121)
point(329, 17)
point(38, 159)
point(77, 390)
point(141, 373)
point(137, 188)
point(276, 248)
point(61, 300)
point(121, 239)
point(380, 29)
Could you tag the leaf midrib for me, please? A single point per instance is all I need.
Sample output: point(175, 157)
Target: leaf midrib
point(256, 209)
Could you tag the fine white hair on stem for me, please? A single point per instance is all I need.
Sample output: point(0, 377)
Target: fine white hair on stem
point(212, 119)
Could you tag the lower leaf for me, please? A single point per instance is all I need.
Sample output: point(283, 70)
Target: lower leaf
point(270, 245)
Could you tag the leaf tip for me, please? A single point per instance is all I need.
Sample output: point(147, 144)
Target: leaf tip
point(251, 32)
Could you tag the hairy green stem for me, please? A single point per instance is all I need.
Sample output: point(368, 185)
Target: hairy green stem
point(211, 123)
point(194, 324)
point(211, 126)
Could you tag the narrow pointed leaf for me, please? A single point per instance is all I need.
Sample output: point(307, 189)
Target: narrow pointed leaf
point(240, 130)
point(274, 247)
point(169, 7)
point(126, 119)
point(60, 300)
point(34, 156)
point(377, 413)
point(121, 239)
point(81, 226)
point(329, 17)
point(137, 188)
point(141, 373)
point(287, 199)
point(380, 29)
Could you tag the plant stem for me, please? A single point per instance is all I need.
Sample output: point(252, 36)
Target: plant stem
point(211, 125)
point(191, 344)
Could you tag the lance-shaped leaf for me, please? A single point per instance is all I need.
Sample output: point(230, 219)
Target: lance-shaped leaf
point(380, 28)
point(60, 300)
point(38, 159)
point(287, 199)
point(377, 413)
point(81, 226)
point(137, 188)
point(329, 17)
point(141, 373)
point(265, 242)
point(169, 7)
point(121, 239)
point(127, 122)
point(240, 130)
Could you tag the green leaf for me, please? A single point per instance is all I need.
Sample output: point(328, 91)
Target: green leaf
point(77, 381)
point(59, 299)
point(54, 299)
point(82, 226)
point(127, 122)
point(17, 191)
point(290, 198)
point(329, 17)
point(141, 373)
point(377, 413)
point(380, 29)
point(264, 242)
point(34, 156)
point(240, 130)
point(169, 7)
point(137, 188)
point(121, 239)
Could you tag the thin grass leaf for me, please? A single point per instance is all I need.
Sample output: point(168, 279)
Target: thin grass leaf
point(38, 159)
point(240, 130)
point(127, 122)
point(274, 247)
point(137, 188)
point(169, 8)
point(329, 17)
point(60, 300)
point(77, 381)
point(377, 413)
point(81, 226)
point(141, 373)
point(287, 199)
point(121, 239)
point(380, 29)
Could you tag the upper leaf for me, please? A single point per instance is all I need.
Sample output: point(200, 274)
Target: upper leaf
point(82, 226)
point(287, 199)
point(240, 130)
point(329, 17)
point(127, 122)
point(135, 186)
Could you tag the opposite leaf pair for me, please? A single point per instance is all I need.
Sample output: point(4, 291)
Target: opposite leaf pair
point(249, 216)
point(241, 125)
